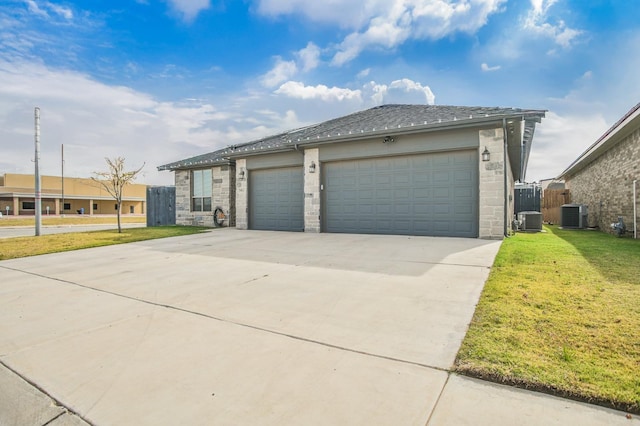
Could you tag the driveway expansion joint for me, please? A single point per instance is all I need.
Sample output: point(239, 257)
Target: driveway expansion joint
point(228, 321)
point(57, 402)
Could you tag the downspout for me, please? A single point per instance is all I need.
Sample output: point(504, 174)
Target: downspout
point(504, 159)
point(635, 213)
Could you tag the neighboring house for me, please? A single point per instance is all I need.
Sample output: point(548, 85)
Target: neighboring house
point(553, 184)
point(604, 176)
point(17, 196)
point(392, 169)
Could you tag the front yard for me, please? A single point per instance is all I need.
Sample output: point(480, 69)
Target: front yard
point(560, 313)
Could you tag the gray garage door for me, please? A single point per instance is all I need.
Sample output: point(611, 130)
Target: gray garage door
point(276, 199)
point(428, 194)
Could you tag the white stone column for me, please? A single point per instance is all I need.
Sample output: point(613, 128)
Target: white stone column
point(491, 182)
point(242, 195)
point(312, 190)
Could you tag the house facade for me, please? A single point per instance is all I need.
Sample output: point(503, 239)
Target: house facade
point(605, 177)
point(65, 196)
point(393, 169)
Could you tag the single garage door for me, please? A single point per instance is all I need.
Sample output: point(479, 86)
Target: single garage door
point(276, 199)
point(427, 194)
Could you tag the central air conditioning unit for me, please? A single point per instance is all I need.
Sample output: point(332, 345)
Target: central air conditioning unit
point(573, 216)
point(530, 221)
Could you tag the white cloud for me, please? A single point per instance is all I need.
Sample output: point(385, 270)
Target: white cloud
point(487, 68)
point(387, 24)
point(65, 12)
point(94, 120)
point(309, 57)
point(298, 90)
point(345, 13)
point(364, 73)
point(537, 22)
point(404, 91)
point(559, 140)
point(189, 9)
point(36, 9)
point(281, 71)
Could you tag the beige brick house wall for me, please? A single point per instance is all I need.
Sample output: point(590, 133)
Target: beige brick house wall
point(606, 185)
point(491, 182)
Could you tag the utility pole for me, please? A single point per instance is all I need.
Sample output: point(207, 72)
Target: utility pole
point(37, 173)
point(62, 211)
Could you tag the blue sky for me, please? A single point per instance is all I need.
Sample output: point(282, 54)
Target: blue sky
point(159, 81)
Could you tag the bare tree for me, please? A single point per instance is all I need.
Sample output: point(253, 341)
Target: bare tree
point(114, 181)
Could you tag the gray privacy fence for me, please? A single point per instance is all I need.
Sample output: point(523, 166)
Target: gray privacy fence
point(527, 198)
point(161, 205)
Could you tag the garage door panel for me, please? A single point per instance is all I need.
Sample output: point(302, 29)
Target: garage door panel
point(276, 199)
point(426, 194)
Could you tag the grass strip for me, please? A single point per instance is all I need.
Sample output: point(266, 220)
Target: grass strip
point(12, 248)
point(70, 220)
point(560, 313)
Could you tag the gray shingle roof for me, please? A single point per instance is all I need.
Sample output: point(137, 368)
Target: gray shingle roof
point(385, 119)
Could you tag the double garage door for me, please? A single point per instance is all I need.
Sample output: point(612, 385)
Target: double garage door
point(428, 194)
point(425, 194)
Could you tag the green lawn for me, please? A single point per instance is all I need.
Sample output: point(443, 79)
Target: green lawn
point(11, 248)
point(69, 220)
point(560, 313)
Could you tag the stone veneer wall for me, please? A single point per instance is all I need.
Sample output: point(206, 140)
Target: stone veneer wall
point(606, 185)
point(242, 195)
point(312, 191)
point(491, 182)
point(223, 194)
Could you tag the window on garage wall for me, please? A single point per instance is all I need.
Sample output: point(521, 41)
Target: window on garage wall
point(201, 190)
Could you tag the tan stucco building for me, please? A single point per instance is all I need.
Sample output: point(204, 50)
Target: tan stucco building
point(17, 196)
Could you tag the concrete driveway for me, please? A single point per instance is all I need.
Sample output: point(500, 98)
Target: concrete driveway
point(243, 327)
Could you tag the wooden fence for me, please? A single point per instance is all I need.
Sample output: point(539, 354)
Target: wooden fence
point(552, 200)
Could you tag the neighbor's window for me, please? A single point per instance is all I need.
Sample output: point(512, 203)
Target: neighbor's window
point(201, 190)
point(28, 205)
point(67, 206)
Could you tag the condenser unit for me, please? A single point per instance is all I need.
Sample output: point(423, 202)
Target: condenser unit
point(530, 221)
point(573, 216)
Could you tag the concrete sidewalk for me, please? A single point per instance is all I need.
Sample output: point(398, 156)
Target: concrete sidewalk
point(28, 231)
point(241, 327)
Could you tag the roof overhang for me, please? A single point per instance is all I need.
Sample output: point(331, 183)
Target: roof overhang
point(520, 131)
point(620, 130)
point(522, 123)
point(480, 123)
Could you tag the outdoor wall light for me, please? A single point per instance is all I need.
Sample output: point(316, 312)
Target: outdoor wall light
point(388, 139)
point(312, 167)
point(486, 155)
point(241, 174)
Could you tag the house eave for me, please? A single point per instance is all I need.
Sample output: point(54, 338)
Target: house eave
point(610, 138)
point(301, 144)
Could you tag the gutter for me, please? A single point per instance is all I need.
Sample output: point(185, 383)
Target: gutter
point(406, 130)
point(504, 159)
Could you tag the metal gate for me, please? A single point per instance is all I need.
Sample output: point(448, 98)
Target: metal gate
point(161, 201)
